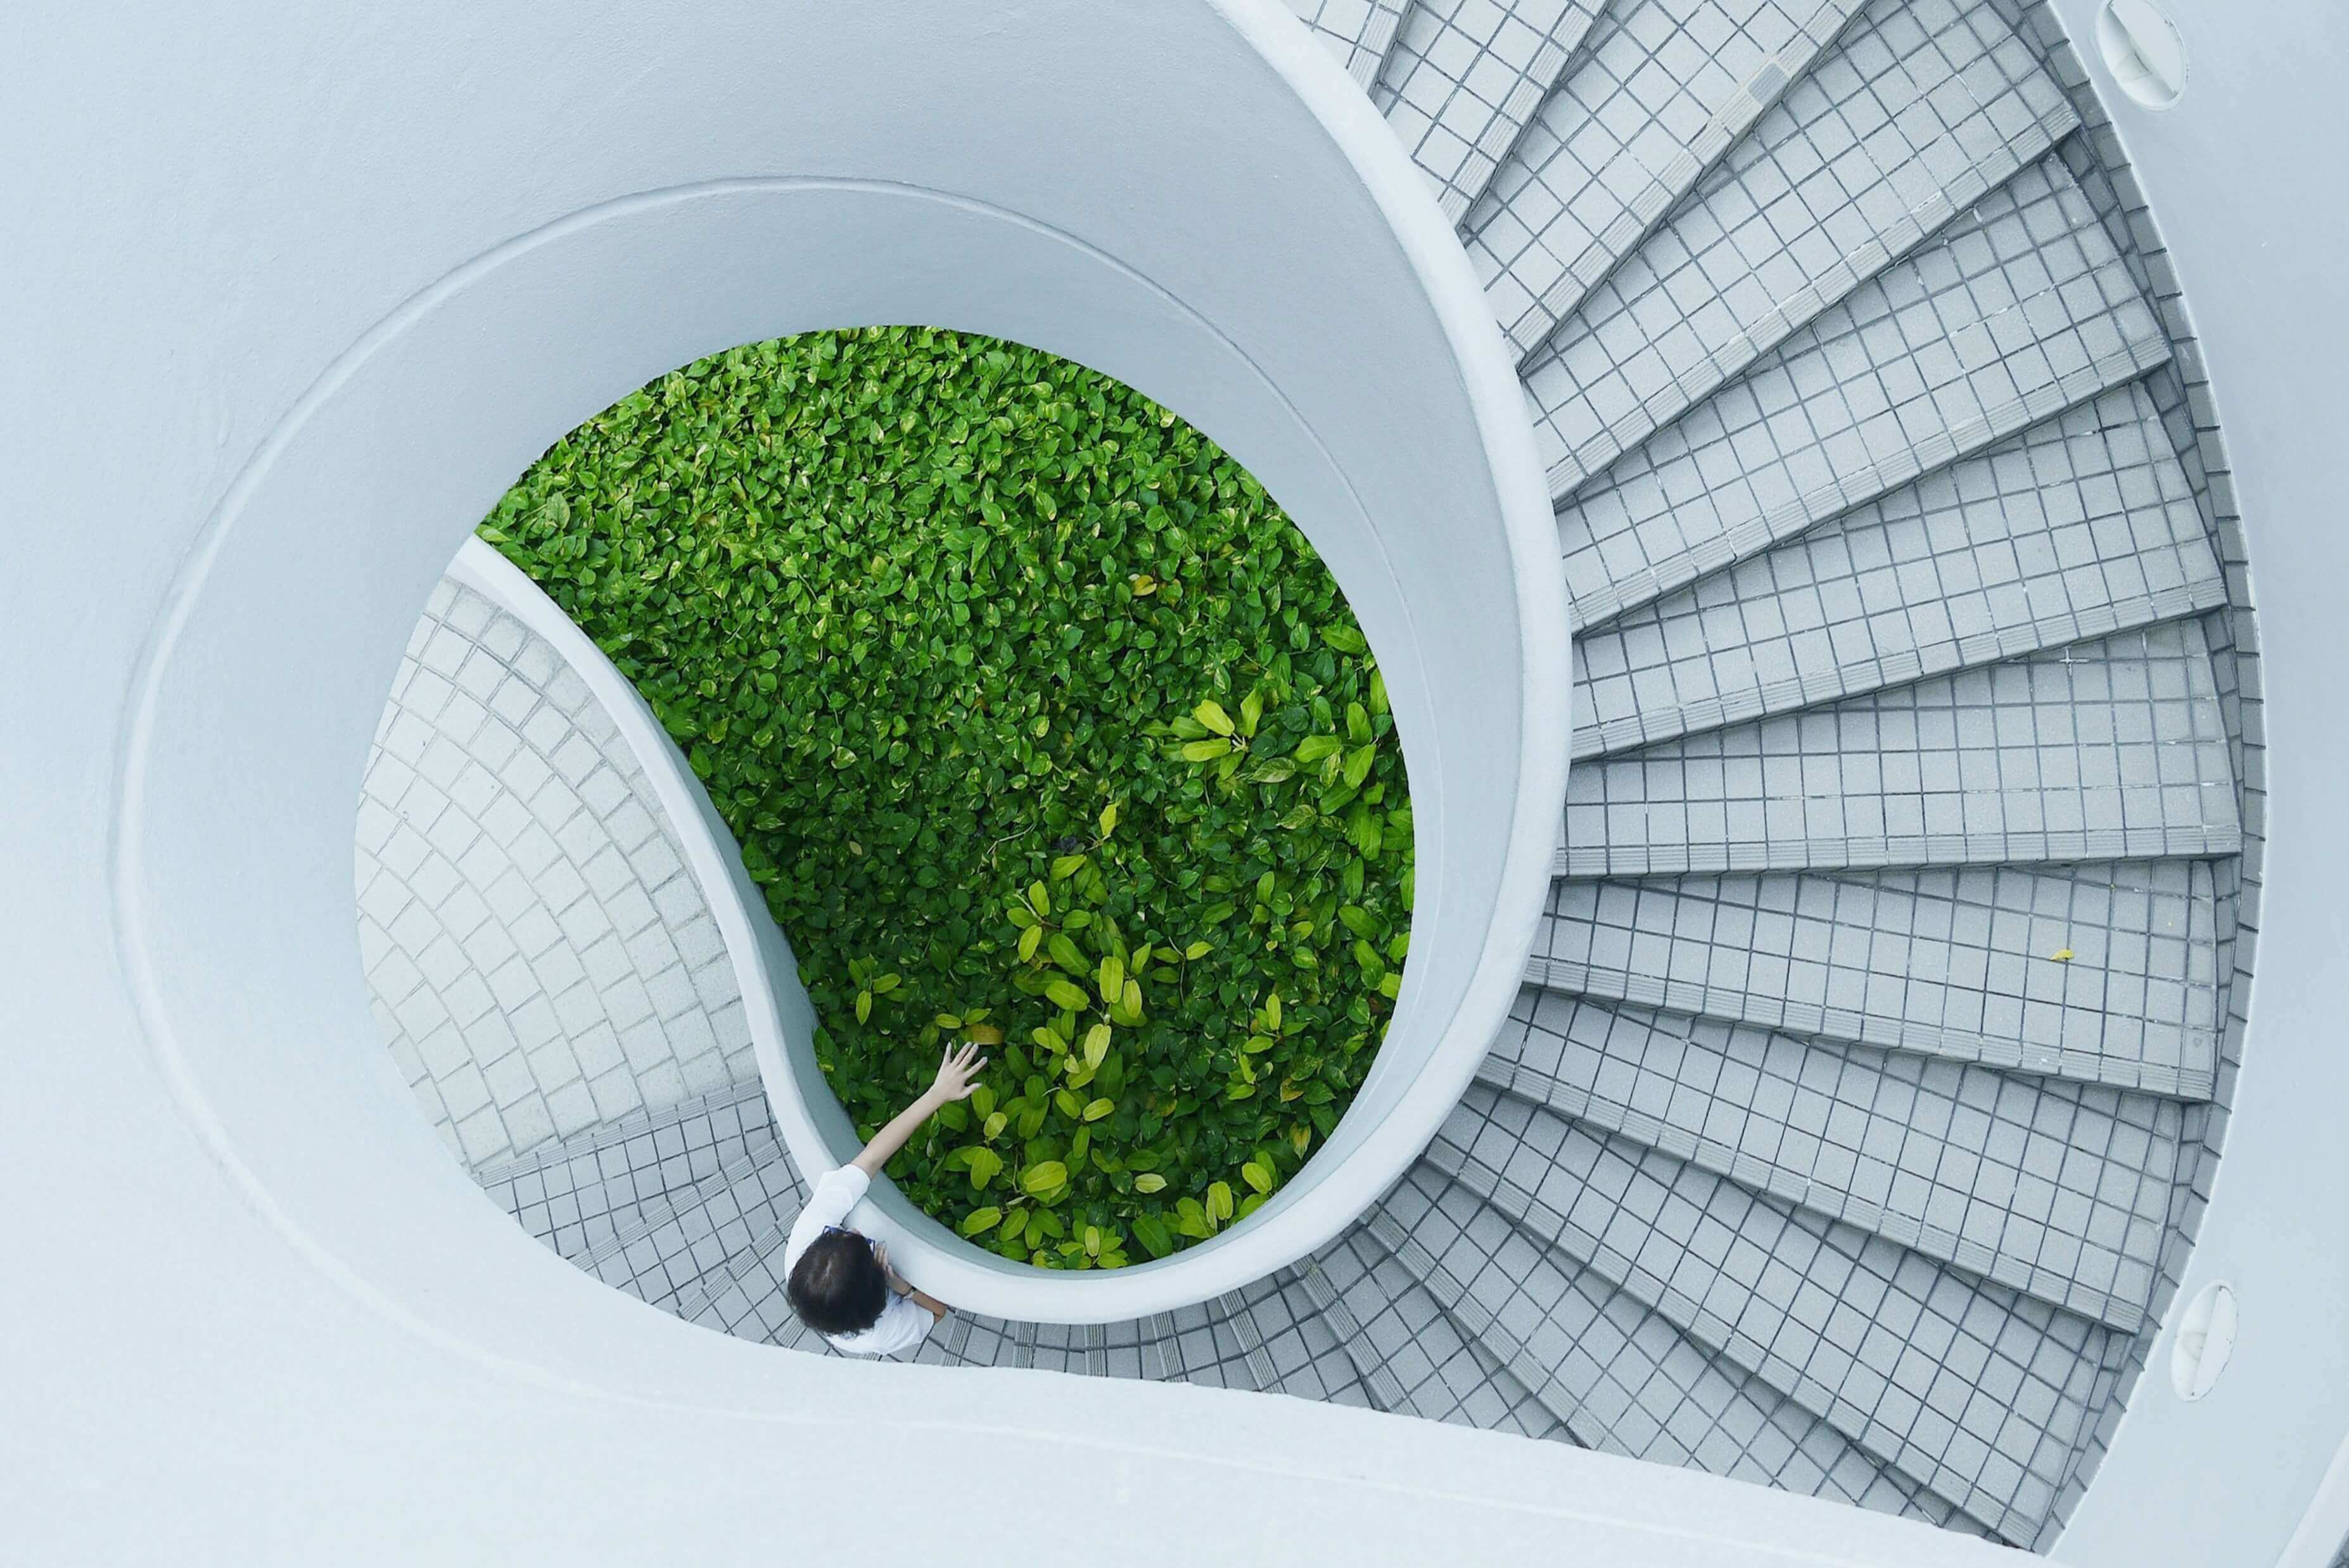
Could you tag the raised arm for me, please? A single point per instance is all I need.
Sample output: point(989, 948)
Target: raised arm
point(956, 1070)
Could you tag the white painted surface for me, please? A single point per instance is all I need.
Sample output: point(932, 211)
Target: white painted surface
point(1402, 452)
point(2245, 179)
point(208, 209)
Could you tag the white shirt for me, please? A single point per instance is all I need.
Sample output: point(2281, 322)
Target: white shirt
point(901, 1324)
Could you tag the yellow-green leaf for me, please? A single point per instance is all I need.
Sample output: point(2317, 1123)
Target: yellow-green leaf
point(1109, 819)
point(1219, 1200)
point(980, 1222)
point(1096, 1044)
point(1206, 750)
point(1040, 1178)
point(1150, 1181)
point(1096, 1109)
point(1256, 1176)
point(1211, 714)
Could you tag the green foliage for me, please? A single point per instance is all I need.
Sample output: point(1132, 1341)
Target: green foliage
point(1038, 724)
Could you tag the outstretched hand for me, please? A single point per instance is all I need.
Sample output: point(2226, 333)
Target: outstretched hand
point(958, 1071)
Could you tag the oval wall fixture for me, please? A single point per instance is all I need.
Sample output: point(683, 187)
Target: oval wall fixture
point(2205, 1338)
point(2143, 49)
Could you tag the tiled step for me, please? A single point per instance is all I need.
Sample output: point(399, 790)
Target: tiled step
point(607, 1260)
point(1379, 1385)
point(745, 1298)
point(1918, 112)
point(1960, 964)
point(2082, 525)
point(1358, 32)
point(2010, 314)
point(1464, 76)
point(1472, 1317)
point(1626, 1381)
point(2102, 751)
point(576, 1196)
point(2060, 1190)
point(1661, 90)
point(1268, 1337)
point(667, 1260)
point(1966, 1387)
point(620, 1131)
point(1437, 1372)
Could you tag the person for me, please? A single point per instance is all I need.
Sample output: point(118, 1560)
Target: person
point(839, 1281)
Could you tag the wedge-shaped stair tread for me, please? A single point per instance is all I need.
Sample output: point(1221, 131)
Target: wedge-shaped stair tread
point(2102, 751)
point(1436, 1372)
point(2012, 314)
point(666, 1261)
point(1358, 32)
point(1661, 90)
point(1918, 111)
point(1463, 77)
point(2103, 973)
point(745, 1298)
point(1624, 1380)
point(1966, 1387)
point(577, 1196)
point(2081, 526)
point(2061, 1190)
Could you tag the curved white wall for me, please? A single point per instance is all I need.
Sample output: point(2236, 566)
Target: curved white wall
point(205, 209)
point(2246, 183)
point(1373, 400)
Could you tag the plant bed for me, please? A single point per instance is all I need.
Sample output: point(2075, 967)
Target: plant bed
point(1038, 722)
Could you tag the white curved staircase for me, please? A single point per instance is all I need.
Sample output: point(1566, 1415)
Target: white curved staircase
point(1846, 1134)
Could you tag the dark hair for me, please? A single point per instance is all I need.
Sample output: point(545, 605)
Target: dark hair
point(837, 1287)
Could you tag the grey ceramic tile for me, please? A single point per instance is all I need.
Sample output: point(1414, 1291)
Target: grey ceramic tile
point(2011, 314)
point(2061, 1190)
point(2100, 973)
point(2106, 749)
point(1359, 33)
point(2081, 526)
point(1921, 109)
point(1660, 88)
point(1464, 76)
point(1968, 1388)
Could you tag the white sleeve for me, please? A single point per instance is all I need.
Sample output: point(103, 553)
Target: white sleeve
point(836, 1192)
point(902, 1325)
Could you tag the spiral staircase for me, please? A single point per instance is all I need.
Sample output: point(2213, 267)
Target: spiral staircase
point(1851, 1128)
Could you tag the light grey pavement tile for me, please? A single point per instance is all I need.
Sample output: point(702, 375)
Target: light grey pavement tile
point(2061, 1190)
point(1660, 90)
point(2110, 750)
point(2012, 314)
point(1922, 108)
point(2103, 973)
point(1464, 76)
point(2082, 525)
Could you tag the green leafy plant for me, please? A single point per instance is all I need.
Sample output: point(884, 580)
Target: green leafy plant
point(1040, 724)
